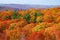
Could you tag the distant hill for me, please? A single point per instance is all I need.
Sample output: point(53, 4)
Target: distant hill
point(26, 6)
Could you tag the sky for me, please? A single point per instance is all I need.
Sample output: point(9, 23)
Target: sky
point(39, 2)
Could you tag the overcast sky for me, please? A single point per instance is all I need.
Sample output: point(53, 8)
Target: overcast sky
point(40, 2)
